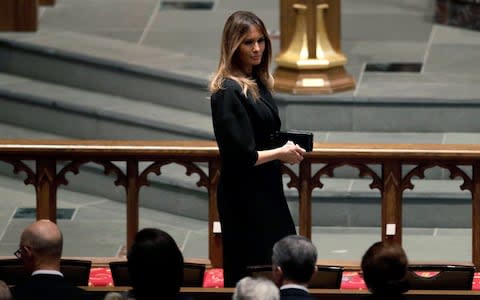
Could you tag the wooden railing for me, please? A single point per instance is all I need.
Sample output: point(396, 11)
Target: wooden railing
point(191, 154)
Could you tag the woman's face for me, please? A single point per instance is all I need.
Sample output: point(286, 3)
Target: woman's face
point(250, 51)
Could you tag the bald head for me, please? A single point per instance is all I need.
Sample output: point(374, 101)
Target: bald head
point(44, 239)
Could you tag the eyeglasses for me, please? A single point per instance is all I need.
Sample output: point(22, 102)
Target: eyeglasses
point(18, 253)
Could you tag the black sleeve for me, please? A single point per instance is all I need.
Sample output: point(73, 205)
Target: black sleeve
point(232, 126)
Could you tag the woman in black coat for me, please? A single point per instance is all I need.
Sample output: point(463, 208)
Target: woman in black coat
point(252, 206)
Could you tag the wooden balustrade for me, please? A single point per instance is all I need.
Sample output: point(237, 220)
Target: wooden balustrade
point(390, 157)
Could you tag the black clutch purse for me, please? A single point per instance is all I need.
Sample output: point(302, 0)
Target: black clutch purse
point(303, 138)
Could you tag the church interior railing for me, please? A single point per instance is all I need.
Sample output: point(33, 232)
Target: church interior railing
point(48, 174)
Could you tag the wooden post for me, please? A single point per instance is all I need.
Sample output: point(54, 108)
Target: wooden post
point(132, 201)
point(305, 199)
point(392, 201)
point(18, 15)
point(310, 59)
point(476, 214)
point(46, 189)
point(214, 238)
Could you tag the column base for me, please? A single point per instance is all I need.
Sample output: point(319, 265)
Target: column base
point(326, 81)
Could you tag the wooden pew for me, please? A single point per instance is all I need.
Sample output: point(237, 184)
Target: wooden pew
point(326, 294)
point(18, 15)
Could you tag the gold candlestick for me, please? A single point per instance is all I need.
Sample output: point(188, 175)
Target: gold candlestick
point(309, 63)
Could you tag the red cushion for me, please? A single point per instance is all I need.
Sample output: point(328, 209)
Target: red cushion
point(100, 277)
point(214, 279)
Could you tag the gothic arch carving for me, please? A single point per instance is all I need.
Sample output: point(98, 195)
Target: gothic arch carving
point(294, 181)
point(419, 171)
point(19, 166)
point(190, 167)
point(74, 167)
point(363, 169)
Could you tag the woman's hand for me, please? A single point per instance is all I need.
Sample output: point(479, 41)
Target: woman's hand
point(291, 153)
point(288, 153)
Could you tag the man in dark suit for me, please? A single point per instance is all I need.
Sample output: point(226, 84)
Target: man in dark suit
point(40, 250)
point(294, 261)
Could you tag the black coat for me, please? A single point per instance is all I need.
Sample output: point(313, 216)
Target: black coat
point(251, 203)
point(295, 294)
point(48, 287)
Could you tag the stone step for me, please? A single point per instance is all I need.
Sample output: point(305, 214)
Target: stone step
point(390, 102)
point(85, 114)
point(109, 66)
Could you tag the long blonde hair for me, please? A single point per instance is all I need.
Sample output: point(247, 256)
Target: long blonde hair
point(236, 29)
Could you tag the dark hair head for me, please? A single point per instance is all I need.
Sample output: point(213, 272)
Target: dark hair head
point(384, 268)
point(155, 264)
point(235, 32)
point(296, 256)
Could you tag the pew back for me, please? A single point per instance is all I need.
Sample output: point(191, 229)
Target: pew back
point(193, 273)
point(326, 294)
point(76, 271)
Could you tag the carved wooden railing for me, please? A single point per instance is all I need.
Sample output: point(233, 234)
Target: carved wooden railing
point(390, 157)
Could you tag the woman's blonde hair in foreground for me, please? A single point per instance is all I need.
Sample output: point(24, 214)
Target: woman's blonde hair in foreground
point(236, 28)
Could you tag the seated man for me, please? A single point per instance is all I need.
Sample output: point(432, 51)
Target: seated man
point(384, 268)
point(294, 261)
point(40, 250)
point(249, 288)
